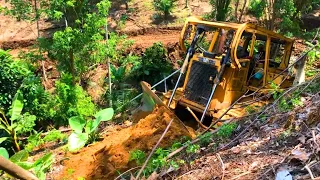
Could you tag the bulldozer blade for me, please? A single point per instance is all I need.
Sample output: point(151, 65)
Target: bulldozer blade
point(150, 99)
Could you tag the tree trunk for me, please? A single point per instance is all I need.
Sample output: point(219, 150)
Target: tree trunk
point(109, 69)
point(242, 10)
point(236, 9)
point(15, 170)
point(166, 15)
point(15, 140)
point(72, 69)
point(273, 14)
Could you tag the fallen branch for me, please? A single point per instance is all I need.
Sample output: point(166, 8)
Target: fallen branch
point(307, 167)
point(240, 175)
point(189, 172)
point(222, 165)
point(126, 172)
point(154, 148)
point(196, 118)
point(15, 170)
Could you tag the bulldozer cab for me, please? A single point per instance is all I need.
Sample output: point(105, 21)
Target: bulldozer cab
point(256, 57)
point(224, 61)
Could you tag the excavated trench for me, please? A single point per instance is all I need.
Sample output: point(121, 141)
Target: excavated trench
point(105, 159)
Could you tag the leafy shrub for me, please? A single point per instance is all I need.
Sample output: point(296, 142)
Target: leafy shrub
point(164, 6)
point(117, 74)
point(71, 100)
point(34, 140)
point(256, 7)
point(12, 75)
point(154, 64)
point(192, 148)
point(226, 130)
point(138, 156)
point(25, 123)
point(18, 75)
point(85, 132)
point(37, 101)
point(156, 162)
point(205, 139)
point(54, 135)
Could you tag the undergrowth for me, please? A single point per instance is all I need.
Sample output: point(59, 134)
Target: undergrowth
point(159, 160)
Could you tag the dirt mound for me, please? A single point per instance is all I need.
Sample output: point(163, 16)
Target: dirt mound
point(104, 159)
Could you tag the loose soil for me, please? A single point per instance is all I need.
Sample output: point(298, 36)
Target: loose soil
point(104, 159)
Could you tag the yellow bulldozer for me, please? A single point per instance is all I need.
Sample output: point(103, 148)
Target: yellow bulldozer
point(223, 62)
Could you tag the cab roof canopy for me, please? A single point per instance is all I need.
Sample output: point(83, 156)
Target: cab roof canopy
point(248, 28)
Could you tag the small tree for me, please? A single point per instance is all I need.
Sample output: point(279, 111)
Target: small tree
point(221, 8)
point(164, 6)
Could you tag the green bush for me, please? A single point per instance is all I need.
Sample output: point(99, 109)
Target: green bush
point(12, 74)
point(226, 130)
point(138, 156)
point(256, 8)
point(164, 6)
point(54, 135)
point(71, 100)
point(154, 64)
point(18, 75)
point(37, 101)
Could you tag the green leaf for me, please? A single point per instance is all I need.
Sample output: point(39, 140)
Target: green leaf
point(42, 165)
point(25, 165)
point(77, 123)
point(4, 153)
point(105, 114)
point(17, 106)
point(89, 127)
point(146, 72)
point(3, 127)
point(20, 156)
point(77, 141)
point(95, 124)
point(3, 139)
point(45, 161)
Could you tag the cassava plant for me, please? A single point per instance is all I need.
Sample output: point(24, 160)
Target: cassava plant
point(85, 131)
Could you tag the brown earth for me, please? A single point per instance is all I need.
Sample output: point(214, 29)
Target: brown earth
point(164, 36)
point(103, 159)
